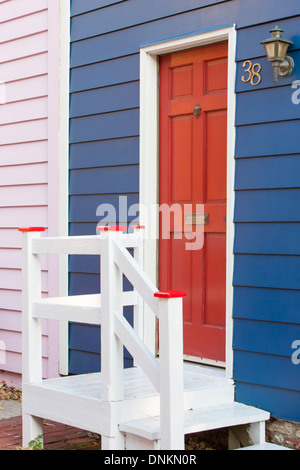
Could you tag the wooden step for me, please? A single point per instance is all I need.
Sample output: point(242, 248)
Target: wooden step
point(199, 420)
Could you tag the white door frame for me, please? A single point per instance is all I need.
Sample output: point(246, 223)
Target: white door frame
point(149, 158)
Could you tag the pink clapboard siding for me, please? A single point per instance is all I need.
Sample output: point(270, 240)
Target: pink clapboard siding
point(27, 184)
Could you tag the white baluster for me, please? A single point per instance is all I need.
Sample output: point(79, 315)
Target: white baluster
point(138, 253)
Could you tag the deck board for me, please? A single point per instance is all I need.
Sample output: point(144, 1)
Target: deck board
point(136, 384)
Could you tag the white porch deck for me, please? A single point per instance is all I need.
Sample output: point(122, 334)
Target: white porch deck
point(56, 399)
point(150, 406)
point(76, 400)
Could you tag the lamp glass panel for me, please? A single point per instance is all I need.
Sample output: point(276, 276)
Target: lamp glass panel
point(282, 50)
point(271, 50)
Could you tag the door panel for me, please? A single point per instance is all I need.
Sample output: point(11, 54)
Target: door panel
point(192, 181)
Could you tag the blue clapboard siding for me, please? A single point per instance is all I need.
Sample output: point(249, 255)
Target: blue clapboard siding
point(104, 153)
point(275, 172)
point(248, 48)
point(78, 6)
point(271, 205)
point(266, 369)
point(84, 209)
point(105, 126)
point(272, 338)
point(267, 238)
point(264, 304)
point(104, 100)
point(266, 307)
point(120, 70)
point(267, 72)
point(261, 106)
point(121, 16)
point(267, 139)
point(106, 180)
point(106, 36)
point(278, 401)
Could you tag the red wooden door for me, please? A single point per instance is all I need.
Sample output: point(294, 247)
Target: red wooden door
point(193, 167)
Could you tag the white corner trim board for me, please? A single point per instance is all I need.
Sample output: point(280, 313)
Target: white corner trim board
point(63, 169)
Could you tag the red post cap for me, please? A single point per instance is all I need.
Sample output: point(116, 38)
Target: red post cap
point(170, 294)
point(112, 228)
point(32, 229)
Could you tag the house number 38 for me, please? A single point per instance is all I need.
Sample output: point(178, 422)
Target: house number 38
point(253, 71)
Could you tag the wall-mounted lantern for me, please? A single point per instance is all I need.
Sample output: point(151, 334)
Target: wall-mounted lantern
point(276, 48)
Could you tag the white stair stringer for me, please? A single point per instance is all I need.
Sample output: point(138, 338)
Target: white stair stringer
point(146, 431)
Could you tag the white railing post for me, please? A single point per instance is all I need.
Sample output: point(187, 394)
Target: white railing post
point(112, 387)
point(138, 254)
point(171, 370)
point(31, 327)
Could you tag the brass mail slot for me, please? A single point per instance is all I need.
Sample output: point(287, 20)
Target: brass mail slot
point(196, 219)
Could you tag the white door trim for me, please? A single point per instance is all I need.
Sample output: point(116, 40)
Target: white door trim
point(149, 157)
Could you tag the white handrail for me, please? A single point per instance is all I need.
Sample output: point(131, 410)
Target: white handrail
point(81, 245)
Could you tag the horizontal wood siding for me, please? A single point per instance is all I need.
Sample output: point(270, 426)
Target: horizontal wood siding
point(23, 159)
point(267, 250)
point(104, 133)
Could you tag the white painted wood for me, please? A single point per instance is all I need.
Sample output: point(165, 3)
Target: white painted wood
point(257, 432)
point(111, 346)
point(133, 442)
point(32, 427)
point(231, 139)
point(63, 170)
point(112, 443)
point(31, 328)
point(67, 408)
point(124, 406)
point(147, 428)
point(53, 119)
point(69, 309)
point(264, 446)
point(138, 311)
point(85, 245)
point(200, 420)
point(77, 308)
point(171, 374)
point(198, 388)
point(200, 360)
point(149, 160)
point(244, 436)
point(136, 276)
point(77, 401)
point(148, 189)
point(232, 414)
point(137, 349)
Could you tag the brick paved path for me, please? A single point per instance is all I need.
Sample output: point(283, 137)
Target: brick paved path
point(56, 436)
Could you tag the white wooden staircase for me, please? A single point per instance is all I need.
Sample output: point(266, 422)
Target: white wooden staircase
point(150, 406)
